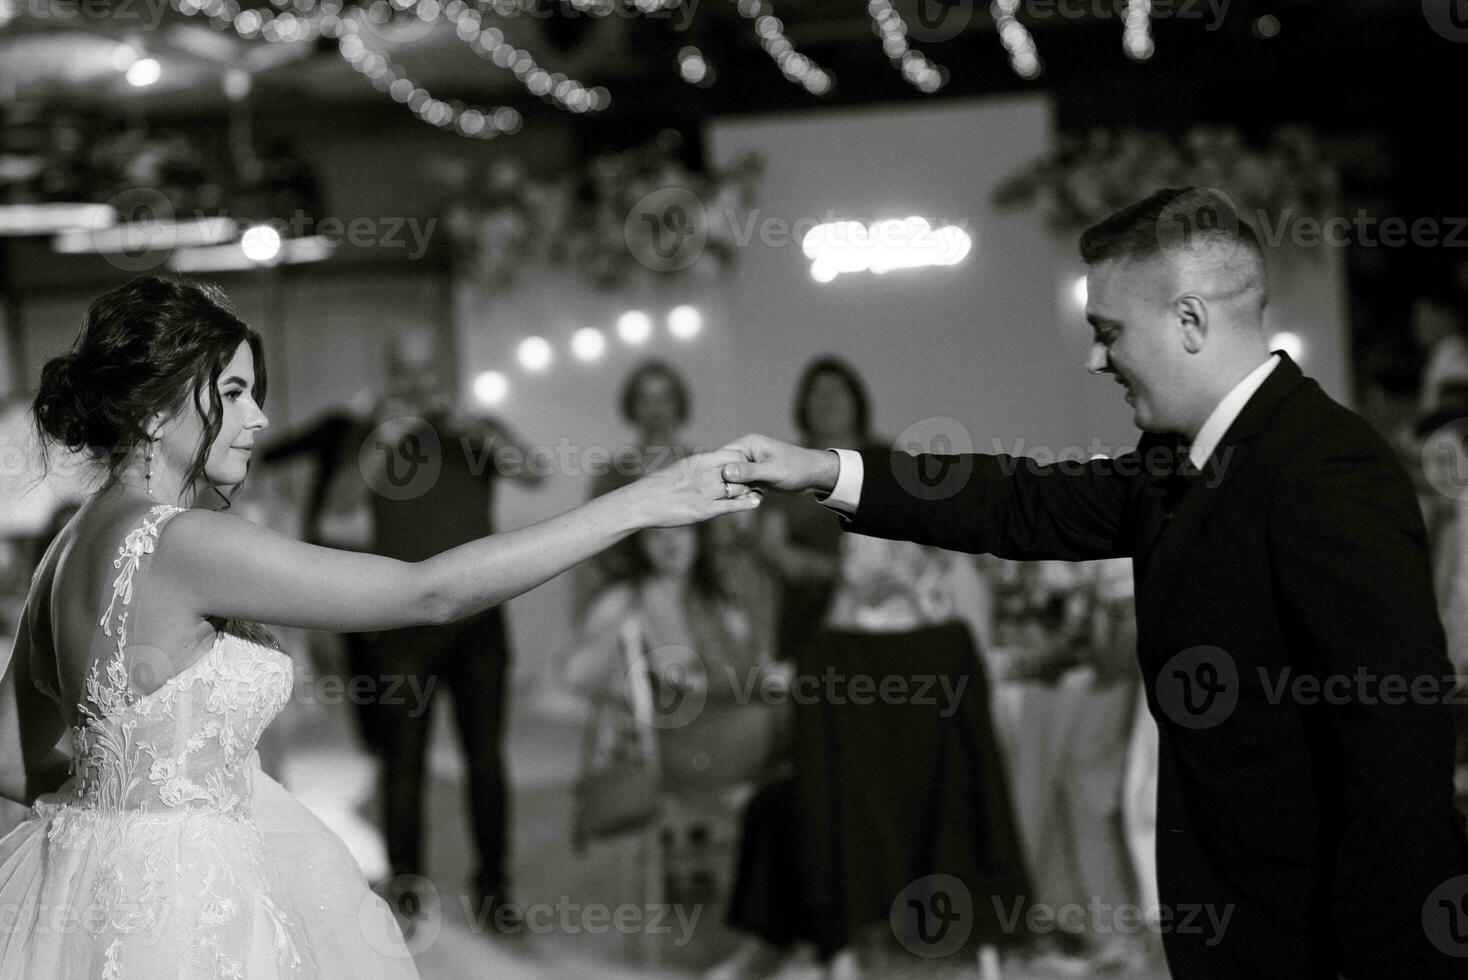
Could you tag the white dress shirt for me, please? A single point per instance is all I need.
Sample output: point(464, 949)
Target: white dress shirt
point(847, 493)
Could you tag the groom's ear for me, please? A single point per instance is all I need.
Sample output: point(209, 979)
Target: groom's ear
point(1191, 315)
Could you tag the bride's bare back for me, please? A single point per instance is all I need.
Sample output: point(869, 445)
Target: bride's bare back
point(73, 589)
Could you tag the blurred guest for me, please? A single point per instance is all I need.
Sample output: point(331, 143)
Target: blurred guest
point(1067, 693)
point(733, 541)
point(337, 514)
point(656, 403)
point(799, 541)
point(872, 821)
point(1443, 459)
point(413, 520)
point(825, 855)
point(1438, 328)
point(694, 637)
point(692, 640)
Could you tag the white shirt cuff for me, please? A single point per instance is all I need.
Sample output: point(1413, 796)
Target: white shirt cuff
point(847, 493)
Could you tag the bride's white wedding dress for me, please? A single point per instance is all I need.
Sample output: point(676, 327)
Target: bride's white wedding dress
point(168, 853)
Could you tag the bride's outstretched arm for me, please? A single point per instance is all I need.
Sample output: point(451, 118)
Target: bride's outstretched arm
point(226, 566)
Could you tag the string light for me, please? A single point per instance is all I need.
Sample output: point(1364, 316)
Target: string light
point(467, 120)
point(685, 321)
point(588, 344)
point(915, 66)
point(535, 353)
point(694, 68)
point(1136, 38)
point(793, 65)
point(491, 387)
point(634, 326)
point(1016, 39)
point(326, 18)
point(489, 43)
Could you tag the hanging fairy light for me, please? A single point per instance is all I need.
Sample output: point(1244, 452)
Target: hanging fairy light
point(1016, 39)
point(467, 120)
point(1136, 38)
point(795, 66)
point(915, 66)
point(313, 18)
point(490, 44)
point(694, 68)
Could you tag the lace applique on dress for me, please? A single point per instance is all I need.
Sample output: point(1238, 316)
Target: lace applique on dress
point(163, 785)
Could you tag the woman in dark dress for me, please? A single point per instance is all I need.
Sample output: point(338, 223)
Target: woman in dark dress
point(891, 798)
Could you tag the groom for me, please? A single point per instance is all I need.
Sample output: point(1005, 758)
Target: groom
point(1287, 631)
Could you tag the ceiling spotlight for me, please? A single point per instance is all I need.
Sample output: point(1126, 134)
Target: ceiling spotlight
point(534, 353)
point(634, 326)
point(491, 387)
point(144, 72)
point(588, 344)
point(685, 322)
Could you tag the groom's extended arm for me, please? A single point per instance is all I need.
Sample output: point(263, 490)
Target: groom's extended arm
point(1009, 506)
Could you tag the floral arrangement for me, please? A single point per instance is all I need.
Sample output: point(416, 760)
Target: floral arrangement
point(504, 220)
point(1086, 178)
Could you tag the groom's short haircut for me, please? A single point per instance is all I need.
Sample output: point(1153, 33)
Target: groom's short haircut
point(1174, 217)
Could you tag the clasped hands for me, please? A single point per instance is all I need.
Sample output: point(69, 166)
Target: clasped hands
point(735, 477)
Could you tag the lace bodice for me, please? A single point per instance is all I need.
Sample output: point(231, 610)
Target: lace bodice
point(190, 742)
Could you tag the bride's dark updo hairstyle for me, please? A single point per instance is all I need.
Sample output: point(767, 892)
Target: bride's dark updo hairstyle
point(144, 347)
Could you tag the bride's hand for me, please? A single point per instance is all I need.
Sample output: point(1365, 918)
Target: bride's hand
point(692, 489)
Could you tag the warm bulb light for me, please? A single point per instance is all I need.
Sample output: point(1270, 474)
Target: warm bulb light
point(144, 72)
point(534, 353)
point(588, 344)
point(260, 243)
point(634, 326)
point(685, 322)
point(491, 387)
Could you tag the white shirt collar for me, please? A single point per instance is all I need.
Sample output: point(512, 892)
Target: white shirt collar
point(1226, 411)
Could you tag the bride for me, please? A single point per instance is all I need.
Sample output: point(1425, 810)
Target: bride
point(140, 680)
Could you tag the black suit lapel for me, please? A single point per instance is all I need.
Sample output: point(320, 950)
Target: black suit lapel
point(1168, 537)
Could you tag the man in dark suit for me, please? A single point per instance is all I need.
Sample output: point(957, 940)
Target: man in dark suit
point(1287, 630)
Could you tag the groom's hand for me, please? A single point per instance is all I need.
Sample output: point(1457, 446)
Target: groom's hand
point(781, 466)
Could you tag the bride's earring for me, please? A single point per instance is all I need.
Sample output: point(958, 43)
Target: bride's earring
point(148, 472)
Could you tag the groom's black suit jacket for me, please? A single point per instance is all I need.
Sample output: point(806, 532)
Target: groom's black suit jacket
point(1320, 825)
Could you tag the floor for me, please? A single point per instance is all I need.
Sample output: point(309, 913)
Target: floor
point(586, 912)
